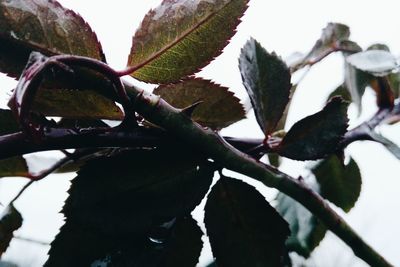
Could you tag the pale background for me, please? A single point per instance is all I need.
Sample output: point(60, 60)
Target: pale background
point(285, 27)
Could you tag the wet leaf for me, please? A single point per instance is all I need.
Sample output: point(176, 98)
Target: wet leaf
point(8, 124)
point(75, 104)
point(318, 135)
point(339, 184)
point(180, 37)
point(376, 62)
point(306, 230)
point(267, 81)
point(219, 107)
point(121, 196)
point(10, 220)
point(14, 167)
point(43, 26)
point(244, 230)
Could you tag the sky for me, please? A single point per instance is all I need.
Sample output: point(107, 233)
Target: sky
point(284, 26)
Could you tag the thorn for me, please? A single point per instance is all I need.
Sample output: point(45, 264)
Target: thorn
point(188, 111)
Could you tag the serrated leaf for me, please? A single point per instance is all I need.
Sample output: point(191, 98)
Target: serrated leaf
point(306, 230)
point(388, 144)
point(10, 220)
point(122, 196)
point(43, 26)
point(376, 62)
point(244, 230)
point(219, 107)
point(339, 184)
point(333, 36)
point(8, 124)
point(75, 104)
point(12, 167)
point(318, 135)
point(180, 37)
point(267, 81)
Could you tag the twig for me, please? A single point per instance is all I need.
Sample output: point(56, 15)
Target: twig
point(159, 112)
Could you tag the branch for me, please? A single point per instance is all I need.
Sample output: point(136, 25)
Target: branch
point(159, 112)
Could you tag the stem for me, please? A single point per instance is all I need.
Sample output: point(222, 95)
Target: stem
point(159, 112)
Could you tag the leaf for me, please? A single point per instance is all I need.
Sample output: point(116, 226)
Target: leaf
point(390, 146)
point(306, 230)
point(219, 107)
point(318, 135)
point(8, 124)
point(43, 26)
point(121, 196)
point(15, 166)
point(267, 81)
point(341, 91)
point(339, 184)
point(10, 220)
point(332, 38)
point(185, 244)
point(75, 104)
point(382, 47)
point(180, 37)
point(384, 92)
point(244, 230)
point(376, 62)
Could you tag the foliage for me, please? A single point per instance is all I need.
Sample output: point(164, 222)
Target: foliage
point(139, 181)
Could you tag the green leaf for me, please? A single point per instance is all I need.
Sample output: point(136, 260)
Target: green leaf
point(15, 166)
point(339, 184)
point(267, 81)
point(318, 135)
point(10, 220)
point(376, 62)
point(306, 230)
point(382, 47)
point(180, 37)
point(43, 26)
point(389, 145)
point(244, 230)
point(122, 195)
point(8, 124)
point(219, 107)
point(333, 37)
point(341, 91)
point(75, 104)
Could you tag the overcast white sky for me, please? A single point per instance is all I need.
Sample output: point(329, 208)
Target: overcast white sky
point(283, 26)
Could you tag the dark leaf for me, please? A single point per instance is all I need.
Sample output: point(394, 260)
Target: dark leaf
point(384, 92)
point(339, 184)
point(75, 104)
point(394, 79)
point(180, 37)
point(376, 62)
point(267, 81)
point(123, 195)
point(10, 220)
point(43, 26)
point(218, 109)
point(184, 246)
point(8, 124)
point(15, 166)
point(244, 230)
point(306, 230)
point(318, 135)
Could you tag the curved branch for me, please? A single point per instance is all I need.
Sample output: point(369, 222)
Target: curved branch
point(159, 112)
